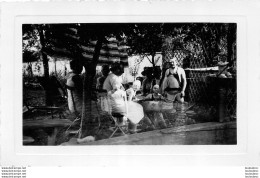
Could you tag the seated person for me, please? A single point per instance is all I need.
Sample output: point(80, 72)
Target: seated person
point(115, 76)
point(75, 87)
point(155, 96)
point(153, 109)
point(133, 88)
point(118, 100)
point(120, 106)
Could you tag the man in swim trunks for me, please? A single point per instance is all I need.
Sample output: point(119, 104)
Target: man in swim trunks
point(175, 82)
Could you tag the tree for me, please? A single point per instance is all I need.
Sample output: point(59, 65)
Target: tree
point(84, 43)
point(231, 43)
point(134, 69)
point(205, 41)
point(29, 57)
point(30, 48)
point(210, 37)
point(34, 39)
point(145, 40)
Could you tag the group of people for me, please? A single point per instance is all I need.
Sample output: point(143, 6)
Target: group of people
point(172, 88)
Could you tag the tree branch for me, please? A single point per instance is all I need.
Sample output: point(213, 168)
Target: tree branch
point(148, 58)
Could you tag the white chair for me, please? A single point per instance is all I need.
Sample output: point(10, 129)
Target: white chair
point(119, 120)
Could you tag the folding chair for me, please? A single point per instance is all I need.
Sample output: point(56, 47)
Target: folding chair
point(102, 105)
point(118, 119)
point(76, 113)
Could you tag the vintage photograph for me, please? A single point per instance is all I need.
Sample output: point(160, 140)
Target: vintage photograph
point(129, 84)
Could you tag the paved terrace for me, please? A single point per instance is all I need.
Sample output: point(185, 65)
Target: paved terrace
point(211, 133)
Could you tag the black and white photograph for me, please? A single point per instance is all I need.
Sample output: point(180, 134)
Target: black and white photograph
point(129, 84)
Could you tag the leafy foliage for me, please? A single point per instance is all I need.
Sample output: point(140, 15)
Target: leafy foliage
point(201, 40)
point(145, 39)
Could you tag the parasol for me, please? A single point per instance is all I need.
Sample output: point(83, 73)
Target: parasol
point(112, 51)
point(68, 40)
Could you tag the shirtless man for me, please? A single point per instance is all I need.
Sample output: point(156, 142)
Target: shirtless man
point(175, 82)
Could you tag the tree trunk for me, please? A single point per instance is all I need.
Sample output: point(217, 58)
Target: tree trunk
point(48, 99)
point(87, 122)
point(55, 67)
point(45, 66)
point(87, 105)
point(30, 69)
point(44, 56)
point(153, 55)
point(154, 80)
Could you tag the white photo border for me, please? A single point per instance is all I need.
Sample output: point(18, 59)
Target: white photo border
point(12, 150)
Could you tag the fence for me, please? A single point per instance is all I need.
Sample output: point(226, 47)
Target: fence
point(209, 91)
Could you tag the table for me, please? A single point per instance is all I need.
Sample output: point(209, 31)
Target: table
point(56, 124)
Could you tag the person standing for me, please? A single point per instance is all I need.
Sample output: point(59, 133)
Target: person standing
point(75, 87)
point(100, 81)
point(175, 82)
point(148, 81)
